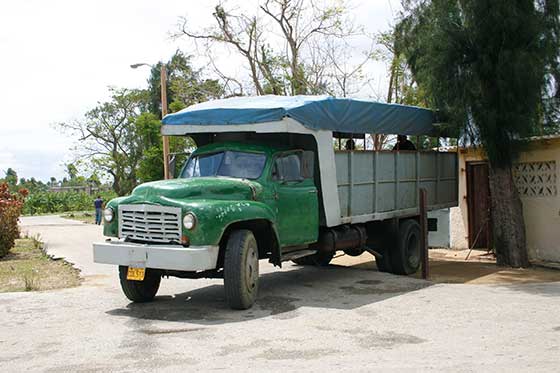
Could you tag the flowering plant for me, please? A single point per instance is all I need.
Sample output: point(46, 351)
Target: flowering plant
point(11, 205)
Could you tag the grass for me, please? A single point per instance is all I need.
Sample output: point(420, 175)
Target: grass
point(83, 216)
point(28, 268)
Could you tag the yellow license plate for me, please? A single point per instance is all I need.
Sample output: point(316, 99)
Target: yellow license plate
point(135, 274)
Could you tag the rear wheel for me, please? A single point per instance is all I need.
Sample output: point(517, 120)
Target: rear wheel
point(320, 259)
point(405, 259)
point(241, 270)
point(140, 291)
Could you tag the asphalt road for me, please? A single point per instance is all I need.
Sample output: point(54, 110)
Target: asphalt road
point(313, 319)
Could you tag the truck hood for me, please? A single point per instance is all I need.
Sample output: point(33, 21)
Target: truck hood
point(219, 188)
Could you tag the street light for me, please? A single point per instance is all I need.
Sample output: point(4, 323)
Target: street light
point(165, 139)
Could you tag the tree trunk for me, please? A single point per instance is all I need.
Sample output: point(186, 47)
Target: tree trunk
point(507, 219)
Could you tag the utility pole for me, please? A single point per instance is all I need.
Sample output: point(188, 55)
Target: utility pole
point(165, 139)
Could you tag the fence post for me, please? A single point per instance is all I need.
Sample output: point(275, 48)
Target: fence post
point(424, 233)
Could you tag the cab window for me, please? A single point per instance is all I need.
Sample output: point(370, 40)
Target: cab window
point(289, 167)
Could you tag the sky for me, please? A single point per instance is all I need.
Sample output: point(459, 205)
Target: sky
point(58, 57)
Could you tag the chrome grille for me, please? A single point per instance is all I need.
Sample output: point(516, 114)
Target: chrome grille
point(150, 223)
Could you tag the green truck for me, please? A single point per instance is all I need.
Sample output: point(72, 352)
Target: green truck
point(266, 182)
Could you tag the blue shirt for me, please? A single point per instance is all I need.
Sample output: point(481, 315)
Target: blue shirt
point(98, 203)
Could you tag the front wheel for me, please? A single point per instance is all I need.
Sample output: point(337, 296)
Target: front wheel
point(140, 291)
point(241, 270)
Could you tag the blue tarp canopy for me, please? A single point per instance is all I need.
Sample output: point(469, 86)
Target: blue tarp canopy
point(315, 112)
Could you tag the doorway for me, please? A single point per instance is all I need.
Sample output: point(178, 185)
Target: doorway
point(479, 204)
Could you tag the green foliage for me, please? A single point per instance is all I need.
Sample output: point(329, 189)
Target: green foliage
point(484, 63)
point(72, 171)
point(54, 202)
point(10, 210)
point(185, 85)
point(32, 185)
point(108, 138)
point(121, 137)
point(11, 177)
point(150, 167)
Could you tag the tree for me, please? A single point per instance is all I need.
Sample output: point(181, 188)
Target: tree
point(121, 137)
point(288, 46)
point(485, 63)
point(402, 88)
point(185, 85)
point(72, 171)
point(108, 138)
point(11, 178)
point(150, 167)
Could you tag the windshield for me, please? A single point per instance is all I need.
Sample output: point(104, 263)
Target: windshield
point(229, 163)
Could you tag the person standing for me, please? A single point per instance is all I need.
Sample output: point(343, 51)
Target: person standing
point(98, 203)
point(403, 143)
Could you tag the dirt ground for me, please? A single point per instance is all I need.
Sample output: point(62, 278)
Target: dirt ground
point(450, 267)
point(27, 268)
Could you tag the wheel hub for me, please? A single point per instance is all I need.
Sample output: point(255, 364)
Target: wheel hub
point(251, 269)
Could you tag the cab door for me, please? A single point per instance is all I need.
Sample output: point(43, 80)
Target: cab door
point(296, 198)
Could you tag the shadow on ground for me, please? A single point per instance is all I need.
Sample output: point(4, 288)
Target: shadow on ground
point(281, 294)
point(350, 283)
point(451, 268)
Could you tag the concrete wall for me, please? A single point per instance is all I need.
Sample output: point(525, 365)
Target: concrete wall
point(441, 237)
point(541, 212)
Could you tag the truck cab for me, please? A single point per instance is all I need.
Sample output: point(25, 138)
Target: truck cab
point(180, 224)
point(267, 183)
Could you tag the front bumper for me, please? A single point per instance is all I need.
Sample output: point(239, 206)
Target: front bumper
point(170, 257)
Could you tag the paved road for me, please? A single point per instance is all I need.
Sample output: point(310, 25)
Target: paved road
point(69, 239)
point(313, 319)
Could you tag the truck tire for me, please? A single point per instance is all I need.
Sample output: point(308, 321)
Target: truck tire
point(405, 259)
point(320, 259)
point(140, 291)
point(241, 269)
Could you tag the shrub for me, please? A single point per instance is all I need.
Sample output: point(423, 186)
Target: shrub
point(53, 202)
point(11, 205)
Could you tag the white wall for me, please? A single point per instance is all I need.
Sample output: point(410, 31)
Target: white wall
point(542, 214)
point(441, 237)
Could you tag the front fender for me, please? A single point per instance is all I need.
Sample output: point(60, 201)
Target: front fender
point(213, 217)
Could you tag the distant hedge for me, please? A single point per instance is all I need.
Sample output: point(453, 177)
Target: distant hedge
point(10, 210)
point(53, 202)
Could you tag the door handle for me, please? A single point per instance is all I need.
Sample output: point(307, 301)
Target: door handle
point(312, 191)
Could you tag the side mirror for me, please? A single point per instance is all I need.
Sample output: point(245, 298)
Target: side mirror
point(307, 164)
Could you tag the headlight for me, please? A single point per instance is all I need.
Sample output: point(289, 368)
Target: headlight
point(108, 214)
point(189, 221)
